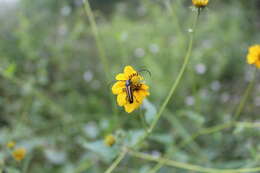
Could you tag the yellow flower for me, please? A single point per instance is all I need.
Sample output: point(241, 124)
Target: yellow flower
point(137, 88)
point(19, 153)
point(10, 144)
point(253, 56)
point(200, 3)
point(110, 140)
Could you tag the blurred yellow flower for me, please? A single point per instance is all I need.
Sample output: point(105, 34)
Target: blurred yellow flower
point(10, 144)
point(253, 56)
point(200, 3)
point(110, 140)
point(19, 153)
point(130, 89)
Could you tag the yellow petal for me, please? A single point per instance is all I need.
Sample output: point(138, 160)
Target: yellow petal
point(128, 70)
point(140, 95)
point(10, 144)
point(19, 154)
point(131, 107)
point(121, 76)
point(257, 63)
point(251, 59)
point(144, 87)
point(254, 48)
point(118, 87)
point(121, 99)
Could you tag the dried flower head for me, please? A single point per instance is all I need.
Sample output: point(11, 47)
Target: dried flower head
point(110, 140)
point(19, 154)
point(253, 56)
point(10, 144)
point(200, 3)
point(130, 89)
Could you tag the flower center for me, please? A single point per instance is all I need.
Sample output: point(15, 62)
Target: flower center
point(135, 80)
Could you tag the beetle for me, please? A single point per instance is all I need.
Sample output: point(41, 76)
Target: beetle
point(129, 91)
point(130, 87)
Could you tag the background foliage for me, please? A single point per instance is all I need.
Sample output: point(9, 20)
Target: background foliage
point(56, 101)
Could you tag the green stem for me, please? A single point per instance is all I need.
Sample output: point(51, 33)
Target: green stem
point(228, 124)
point(94, 29)
point(26, 164)
point(102, 55)
point(173, 15)
point(40, 95)
point(245, 96)
point(187, 166)
point(204, 132)
point(117, 161)
point(217, 128)
point(248, 124)
point(173, 88)
point(157, 167)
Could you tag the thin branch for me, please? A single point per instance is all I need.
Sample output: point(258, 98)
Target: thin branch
point(245, 96)
point(173, 88)
point(117, 161)
point(94, 29)
point(188, 166)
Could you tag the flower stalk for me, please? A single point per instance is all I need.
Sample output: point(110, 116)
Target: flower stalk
point(244, 99)
point(174, 86)
point(187, 166)
point(94, 29)
point(117, 161)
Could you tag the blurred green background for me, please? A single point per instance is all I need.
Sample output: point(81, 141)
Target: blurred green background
point(55, 99)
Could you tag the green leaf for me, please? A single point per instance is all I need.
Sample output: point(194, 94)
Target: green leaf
point(106, 153)
point(193, 116)
point(10, 70)
point(150, 111)
point(163, 138)
point(12, 170)
point(133, 137)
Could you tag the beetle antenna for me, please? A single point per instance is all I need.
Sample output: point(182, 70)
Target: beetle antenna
point(145, 70)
